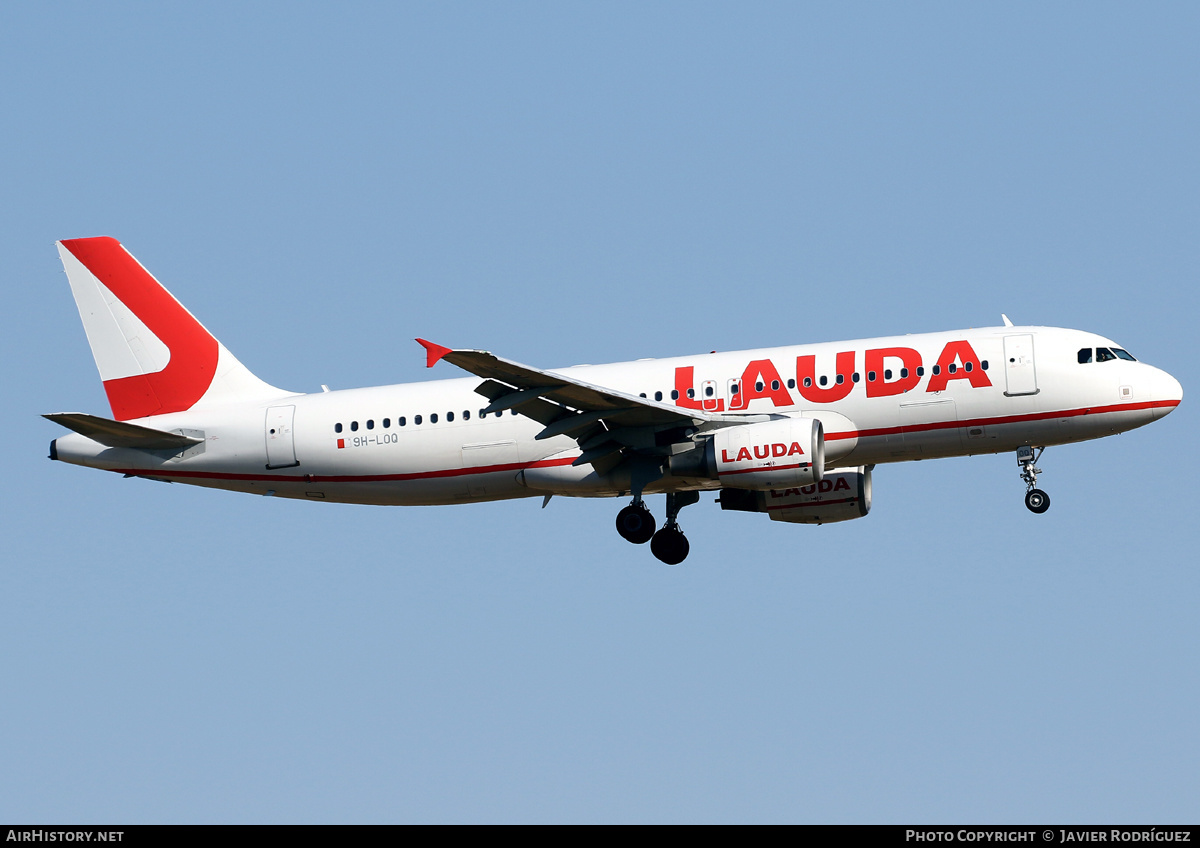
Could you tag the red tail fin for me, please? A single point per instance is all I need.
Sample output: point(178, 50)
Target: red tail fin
point(153, 355)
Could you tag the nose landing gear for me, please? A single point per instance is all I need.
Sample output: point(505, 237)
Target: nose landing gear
point(1035, 499)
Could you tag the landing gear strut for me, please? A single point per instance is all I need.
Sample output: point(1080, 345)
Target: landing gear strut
point(1035, 499)
point(669, 544)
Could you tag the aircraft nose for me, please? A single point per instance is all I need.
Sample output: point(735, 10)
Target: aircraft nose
point(1167, 394)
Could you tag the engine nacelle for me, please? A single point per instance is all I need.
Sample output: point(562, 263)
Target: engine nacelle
point(781, 454)
point(839, 496)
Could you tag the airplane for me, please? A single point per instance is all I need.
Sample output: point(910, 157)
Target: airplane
point(792, 432)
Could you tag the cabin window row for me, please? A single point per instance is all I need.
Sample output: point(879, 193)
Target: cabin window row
point(417, 420)
point(734, 388)
point(735, 385)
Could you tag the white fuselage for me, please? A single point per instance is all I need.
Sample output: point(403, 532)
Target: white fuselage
point(995, 390)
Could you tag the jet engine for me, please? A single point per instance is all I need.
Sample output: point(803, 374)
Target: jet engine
point(780, 454)
point(839, 496)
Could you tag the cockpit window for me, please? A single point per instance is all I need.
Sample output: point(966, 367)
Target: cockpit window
point(1104, 354)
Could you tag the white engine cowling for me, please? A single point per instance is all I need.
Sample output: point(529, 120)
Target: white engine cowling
point(840, 496)
point(780, 454)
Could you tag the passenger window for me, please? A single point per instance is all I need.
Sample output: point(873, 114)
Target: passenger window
point(920, 370)
point(983, 365)
point(642, 395)
point(387, 422)
point(823, 380)
point(758, 386)
point(401, 421)
point(854, 377)
point(658, 395)
point(417, 420)
point(734, 388)
point(708, 391)
point(952, 368)
point(433, 418)
point(840, 379)
point(903, 373)
point(937, 369)
point(774, 385)
point(354, 426)
point(449, 416)
point(807, 382)
point(791, 383)
point(870, 376)
point(337, 428)
point(969, 366)
point(1085, 356)
point(370, 423)
point(466, 415)
point(691, 393)
point(887, 374)
point(674, 394)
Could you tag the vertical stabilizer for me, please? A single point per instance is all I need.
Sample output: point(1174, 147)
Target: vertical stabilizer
point(154, 357)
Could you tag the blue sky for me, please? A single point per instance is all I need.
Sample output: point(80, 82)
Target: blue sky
point(566, 183)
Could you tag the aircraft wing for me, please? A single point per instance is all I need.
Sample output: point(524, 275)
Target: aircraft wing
point(602, 420)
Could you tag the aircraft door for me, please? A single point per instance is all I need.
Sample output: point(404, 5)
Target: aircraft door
point(1019, 371)
point(711, 401)
point(281, 449)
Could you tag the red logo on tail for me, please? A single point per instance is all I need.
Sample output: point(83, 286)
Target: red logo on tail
point(193, 361)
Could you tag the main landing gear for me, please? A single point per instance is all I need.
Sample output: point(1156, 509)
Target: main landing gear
point(1035, 499)
point(636, 524)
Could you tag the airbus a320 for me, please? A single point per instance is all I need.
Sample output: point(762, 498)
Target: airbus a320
point(789, 432)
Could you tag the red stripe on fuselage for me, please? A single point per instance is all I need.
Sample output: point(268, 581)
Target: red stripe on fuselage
point(551, 463)
point(194, 351)
point(348, 478)
point(1003, 419)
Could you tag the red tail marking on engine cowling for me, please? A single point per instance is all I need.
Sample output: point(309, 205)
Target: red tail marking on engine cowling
point(193, 362)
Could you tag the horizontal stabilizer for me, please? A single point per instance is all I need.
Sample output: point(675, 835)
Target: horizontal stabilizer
point(118, 434)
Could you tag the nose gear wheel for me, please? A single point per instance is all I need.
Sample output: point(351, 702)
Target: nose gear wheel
point(1036, 500)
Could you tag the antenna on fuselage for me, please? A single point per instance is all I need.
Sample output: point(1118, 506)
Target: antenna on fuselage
point(1007, 323)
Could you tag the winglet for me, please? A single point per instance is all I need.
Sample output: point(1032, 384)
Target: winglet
point(433, 352)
